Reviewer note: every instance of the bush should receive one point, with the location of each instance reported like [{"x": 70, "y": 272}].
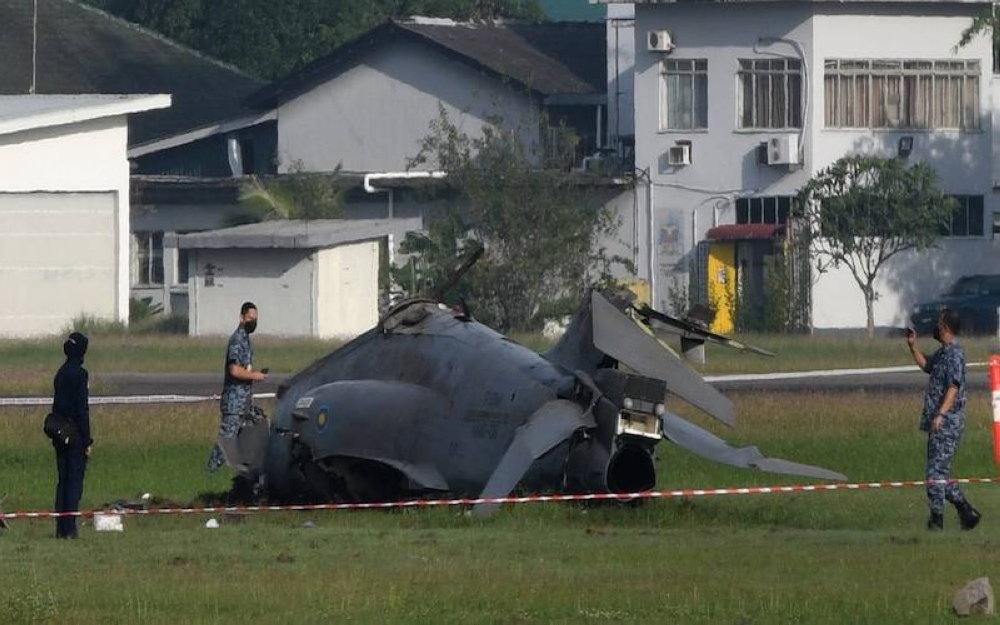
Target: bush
[
  {"x": 142, "y": 309},
  {"x": 91, "y": 325},
  {"x": 96, "y": 326},
  {"x": 171, "y": 324}
]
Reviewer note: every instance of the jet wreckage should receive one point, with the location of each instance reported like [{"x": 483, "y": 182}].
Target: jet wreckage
[{"x": 432, "y": 403}]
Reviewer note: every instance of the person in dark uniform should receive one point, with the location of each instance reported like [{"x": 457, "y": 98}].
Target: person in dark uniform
[
  {"x": 72, "y": 400},
  {"x": 237, "y": 387},
  {"x": 943, "y": 418}
]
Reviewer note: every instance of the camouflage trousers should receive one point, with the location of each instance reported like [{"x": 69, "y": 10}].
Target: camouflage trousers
[
  {"x": 941, "y": 448},
  {"x": 229, "y": 427}
]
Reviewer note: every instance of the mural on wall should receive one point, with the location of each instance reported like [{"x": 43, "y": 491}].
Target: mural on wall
[
  {"x": 669, "y": 237},
  {"x": 671, "y": 264}
]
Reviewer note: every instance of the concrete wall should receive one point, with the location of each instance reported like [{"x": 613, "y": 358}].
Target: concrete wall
[
  {"x": 80, "y": 158},
  {"x": 373, "y": 116},
  {"x": 324, "y": 293},
  {"x": 963, "y": 160},
  {"x": 57, "y": 260},
  {"x": 279, "y": 282},
  {"x": 347, "y": 289},
  {"x": 689, "y": 200}
]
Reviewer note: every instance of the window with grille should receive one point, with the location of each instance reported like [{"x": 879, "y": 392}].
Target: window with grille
[
  {"x": 770, "y": 93},
  {"x": 967, "y": 220},
  {"x": 763, "y": 210},
  {"x": 902, "y": 94},
  {"x": 684, "y": 94},
  {"x": 148, "y": 269}
]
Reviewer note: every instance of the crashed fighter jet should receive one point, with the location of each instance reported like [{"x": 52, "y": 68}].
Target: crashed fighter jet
[{"x": 431, "y": 402}]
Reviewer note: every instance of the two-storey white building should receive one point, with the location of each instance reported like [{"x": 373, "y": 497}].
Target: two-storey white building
[{"x": 739, "y": 103}]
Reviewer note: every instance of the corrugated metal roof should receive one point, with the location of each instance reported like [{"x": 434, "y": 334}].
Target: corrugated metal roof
[
  {"x": 82, "y": 50},
  {"x": 25, "y": 112},
  {"x": 552, "y": 58}
]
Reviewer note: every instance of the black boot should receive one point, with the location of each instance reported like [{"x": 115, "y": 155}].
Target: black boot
[
  {"x": 936, "y": 522},
  {"x": 968, "y": 515}
]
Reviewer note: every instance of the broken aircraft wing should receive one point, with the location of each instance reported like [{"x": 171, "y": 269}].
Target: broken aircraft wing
[
  {"x": 545, "y": 429},
  {"x": 709, "y": 446}
]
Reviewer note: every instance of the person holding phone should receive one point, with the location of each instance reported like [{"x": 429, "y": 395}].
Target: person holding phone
[
  {"x": 237, "y": 386},
  {"x": 943, "y": 418}
]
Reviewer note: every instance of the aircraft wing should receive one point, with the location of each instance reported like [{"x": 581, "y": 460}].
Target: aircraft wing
[
  {"x": 545, "y": 429},
  {"x": 620, "y": 337},
  {"x": 709, "y": 446}
]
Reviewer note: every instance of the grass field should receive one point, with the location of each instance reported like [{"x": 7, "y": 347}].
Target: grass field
[
  {"x": 858, "y": 557},
  {"x": 26, "y": 367}
]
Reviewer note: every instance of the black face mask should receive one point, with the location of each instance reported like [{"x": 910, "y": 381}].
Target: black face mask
[
  {"x": 250, "y": 326},
  {"x": 937, "y": 334}
]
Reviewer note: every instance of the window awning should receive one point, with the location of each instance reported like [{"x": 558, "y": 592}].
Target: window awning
[{"x": 745, "y": 232}]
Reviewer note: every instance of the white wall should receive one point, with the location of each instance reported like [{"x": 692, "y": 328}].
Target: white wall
[
  {"x": 688, "y": 201},
  {"x": 699, "y": 196},
  {"x": 963, "y": 160},
  {"x": 279, "y": 282},
  {"x": 83, "y": 157},
  {"x": 347, "y": 289},
  {"x": 356, "y": 119},
  {"x": 57, "y": 260}
]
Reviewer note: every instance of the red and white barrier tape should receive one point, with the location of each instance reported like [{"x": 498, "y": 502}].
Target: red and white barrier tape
[{"x": 439, "y": 503}]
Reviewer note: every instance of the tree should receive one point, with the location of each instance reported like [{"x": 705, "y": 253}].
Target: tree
[
  {"x": 539, "y": 223},
  {"x": 985, "y": 24},
  {"x": 268, "y": 39},
  {"x": 862, "y": 211},
  {"x": 296, "y": 195}
]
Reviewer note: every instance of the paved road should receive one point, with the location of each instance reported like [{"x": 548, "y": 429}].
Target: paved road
[{"x": 175, "y": 383}]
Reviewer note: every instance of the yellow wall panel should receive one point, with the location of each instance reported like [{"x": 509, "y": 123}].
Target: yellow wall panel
[{"x": 722, "y": 285}]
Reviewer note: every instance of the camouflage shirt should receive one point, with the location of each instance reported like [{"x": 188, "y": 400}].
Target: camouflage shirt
[
  {"x": 237, "y": 395},
  {"x": 947, "y": 369}
]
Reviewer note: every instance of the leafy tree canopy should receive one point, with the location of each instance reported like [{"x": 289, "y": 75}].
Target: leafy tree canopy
[
  {"x": 269, "y": 38},
  {"x": 540, "y": 227},
  {"x": 862, "y": 211},
  {"x": 296, "y": 195}
]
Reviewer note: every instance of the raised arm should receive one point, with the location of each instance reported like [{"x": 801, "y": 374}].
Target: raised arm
[{"x": 919, "y": 357}]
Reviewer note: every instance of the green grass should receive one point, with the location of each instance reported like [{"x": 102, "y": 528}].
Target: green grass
[
  {"x": 859, "y": 557},
  {"x": 26, "y": 367},
  {"x": 807, "y": 353}
]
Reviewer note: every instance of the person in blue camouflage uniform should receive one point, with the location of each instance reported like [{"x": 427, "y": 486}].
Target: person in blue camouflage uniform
[
  {"x": 237, "y": 388},
  {"x": 943, "y": 418}
]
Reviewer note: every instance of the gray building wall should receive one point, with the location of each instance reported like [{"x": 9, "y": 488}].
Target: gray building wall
[
  {"x": 686, "y": 201},
  {"x": 279, "y": 282},
  {"x": 374, "y": 116}
]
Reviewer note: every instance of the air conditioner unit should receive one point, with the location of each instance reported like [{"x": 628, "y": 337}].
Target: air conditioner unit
[
  {"x": 783, "y": 150},
  {"x": 659, "y": 41},
  {"x": 679, "y": 155}
]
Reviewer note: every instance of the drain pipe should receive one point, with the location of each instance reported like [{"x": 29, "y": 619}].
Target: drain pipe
[
  {"x": 652, "y": 242},
  {"x": 400, "y": 175},
  {"x": 397, "y": 175}
]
